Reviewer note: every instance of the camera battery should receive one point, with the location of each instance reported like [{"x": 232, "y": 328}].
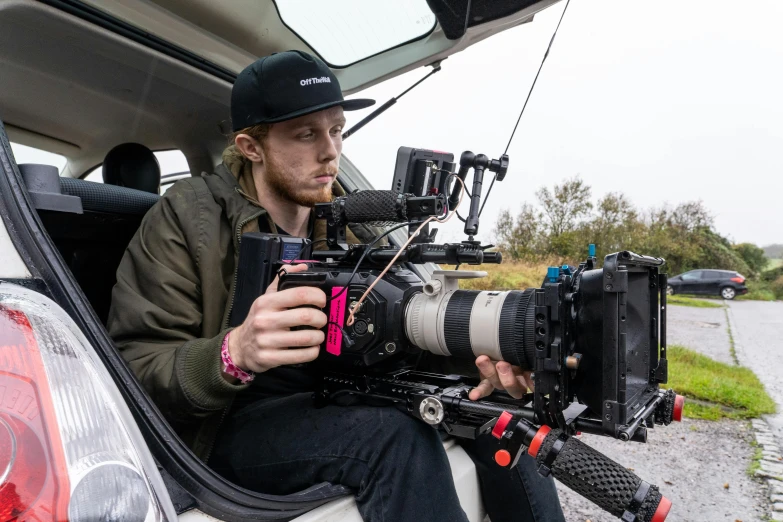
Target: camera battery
[{"x": 260, "y": 257}]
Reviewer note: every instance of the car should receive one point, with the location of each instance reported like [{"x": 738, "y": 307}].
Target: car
[
  {"x": 726, "y": 283},
  {"x": 80, "y": 439}
]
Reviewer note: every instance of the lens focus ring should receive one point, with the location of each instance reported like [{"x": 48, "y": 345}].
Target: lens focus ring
[{"x": 457, "y": 323}]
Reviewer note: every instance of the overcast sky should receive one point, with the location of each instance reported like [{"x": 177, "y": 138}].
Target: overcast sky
[{"x": 665, "y": 101}]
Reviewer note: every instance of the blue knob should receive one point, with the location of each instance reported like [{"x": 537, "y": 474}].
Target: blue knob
[
  {"x": 591, "y": 250},
  {"x": 553, "y": 273},
  {"x": 566, "y": 269}
]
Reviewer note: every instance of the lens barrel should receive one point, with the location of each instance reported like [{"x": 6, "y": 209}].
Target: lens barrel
[{"x": 469, "y": 323}]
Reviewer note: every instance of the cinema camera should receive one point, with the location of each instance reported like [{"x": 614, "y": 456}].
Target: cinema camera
[{"x": 595, "y": 338}]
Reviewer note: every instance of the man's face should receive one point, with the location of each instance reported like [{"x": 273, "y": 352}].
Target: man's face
[{"x": 302, "y": 156}]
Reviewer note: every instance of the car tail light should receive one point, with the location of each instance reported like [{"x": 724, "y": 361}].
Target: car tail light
[
  {"x": 739, "y": 280},
  {"x": 69, "y": 447}
]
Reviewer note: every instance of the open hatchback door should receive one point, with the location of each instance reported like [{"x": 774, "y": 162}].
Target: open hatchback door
[
  {"x": 364, "y": 42},
  {"x": 80, "y": 77}
]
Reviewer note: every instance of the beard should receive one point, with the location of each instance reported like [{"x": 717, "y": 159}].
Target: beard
[{"x": 283, "y": 180}]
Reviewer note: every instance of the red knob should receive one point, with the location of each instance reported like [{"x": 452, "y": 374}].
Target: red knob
[
  {"x": 503, "y": 457},
  {"x": 679, "y": 403},
  {"x": 663, "y": 510},
  {"x": 500, "y": 425},
  {"x": 535, "y": 445}
]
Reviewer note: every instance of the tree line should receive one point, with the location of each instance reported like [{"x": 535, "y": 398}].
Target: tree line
[{"x": 565, "y": 219}]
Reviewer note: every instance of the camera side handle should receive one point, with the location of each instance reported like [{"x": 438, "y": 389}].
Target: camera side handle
[{"x": 597, "y": 477}]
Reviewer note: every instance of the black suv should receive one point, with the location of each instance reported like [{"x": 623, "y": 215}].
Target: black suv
[{"x": 725, "y": 283}]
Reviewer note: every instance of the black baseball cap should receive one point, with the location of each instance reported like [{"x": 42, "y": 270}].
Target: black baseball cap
[{"x": 284, "y": 86}]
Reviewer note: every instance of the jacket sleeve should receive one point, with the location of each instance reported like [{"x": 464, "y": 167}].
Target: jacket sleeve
[{"x": 156, "y": 315}]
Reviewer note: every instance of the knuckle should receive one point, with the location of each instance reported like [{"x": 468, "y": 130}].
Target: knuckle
[
  {"x": 259, "y": 358},
  {"x": 305, "y": 316},
  {"x": 261, "y": 322},
  {"x": 302, "y": 339},
  {"x": 319, "y": 319},
  {"x": 301, "y": 294},
  {"x": 260, "y": 302},
  {"x": 260, "y": 343}
]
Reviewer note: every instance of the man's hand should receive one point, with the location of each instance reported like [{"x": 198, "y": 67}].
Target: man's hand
[
  {"x": 263, "y": 340},
  {"x": 502, "y": 376}
]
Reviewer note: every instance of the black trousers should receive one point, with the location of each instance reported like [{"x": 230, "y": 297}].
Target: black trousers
[{"x": 395, "y": 463}]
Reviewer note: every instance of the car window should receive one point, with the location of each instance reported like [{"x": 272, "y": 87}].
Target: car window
[
  {"x": 713, "y": 275},
  {"x": 692, "y": 276},
  {"x": 25, "y": 154},
  {"x": 365, "y": 31},
  {"x": 171, "y": 162},
  {"x": 167, "y": 180}
]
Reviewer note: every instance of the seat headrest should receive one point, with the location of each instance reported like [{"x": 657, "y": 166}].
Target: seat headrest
[{"x": 132, "y": 165}]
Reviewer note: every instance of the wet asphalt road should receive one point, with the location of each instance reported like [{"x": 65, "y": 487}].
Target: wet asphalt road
[{"x": 758, "y": 339}]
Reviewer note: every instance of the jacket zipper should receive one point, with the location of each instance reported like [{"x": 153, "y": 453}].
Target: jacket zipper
[{"x": 238, "y": 234}]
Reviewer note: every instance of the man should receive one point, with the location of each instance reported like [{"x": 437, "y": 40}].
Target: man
[{"x": 241, "y": 398}]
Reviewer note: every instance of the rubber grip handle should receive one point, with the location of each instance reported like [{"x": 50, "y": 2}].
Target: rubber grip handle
[
  {"x": 367, "y": 206},
  {"x": 598, "y": 478}
]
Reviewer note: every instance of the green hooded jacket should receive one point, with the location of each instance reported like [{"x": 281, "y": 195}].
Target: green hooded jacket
[{"x": 171, "y": 303}]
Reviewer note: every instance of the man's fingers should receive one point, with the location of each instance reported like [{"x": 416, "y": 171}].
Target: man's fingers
[
  {"x": 523, "y": 377},
  {"x": 304, "y": 316},
  {"x": 288, "y": 268},
  {"x": 487, "y": 369},
  {"x": 509, "y": 381},
  {"x": 291, "y": 339},
  {"x": 276, "y": 358},
  {"x": 482, "y": 390},
  {"x": 529, "y": 379},
  {"x": 293, "y": 297}
]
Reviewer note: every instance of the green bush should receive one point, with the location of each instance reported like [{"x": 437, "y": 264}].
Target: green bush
[
  {"x": 772, "y": 275},
  {"x": 758, "y": 291},
  {"x": 753, "y": 256},
  {"x": 777, "y": 287},
  {"x": 565, "y": 220}
]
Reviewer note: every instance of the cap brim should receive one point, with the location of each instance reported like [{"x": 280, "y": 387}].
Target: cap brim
[{"x": 348, "y": 105}]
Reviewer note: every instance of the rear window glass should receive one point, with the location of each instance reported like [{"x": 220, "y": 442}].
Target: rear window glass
[
  {"x": 25, "y": 154},
  {"x": 346, "y": 32},
  {"x": 171, "y": 162}
]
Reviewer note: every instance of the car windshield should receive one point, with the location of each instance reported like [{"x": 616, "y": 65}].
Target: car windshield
[{"x": 365, "y": 29}]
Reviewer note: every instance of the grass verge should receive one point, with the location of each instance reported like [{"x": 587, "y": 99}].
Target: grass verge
[
  {"x": 720, "y": 390},
  {"x": 680, "y": 300},
  {"x": 732, "y": 348},
  {"x": 506, "y": 276}
]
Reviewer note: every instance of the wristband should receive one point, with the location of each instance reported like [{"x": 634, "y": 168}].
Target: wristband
[{"x": 232, "y": 369}]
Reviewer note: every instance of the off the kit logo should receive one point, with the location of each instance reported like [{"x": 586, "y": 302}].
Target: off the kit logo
[{"x": 310, "y": 81}]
